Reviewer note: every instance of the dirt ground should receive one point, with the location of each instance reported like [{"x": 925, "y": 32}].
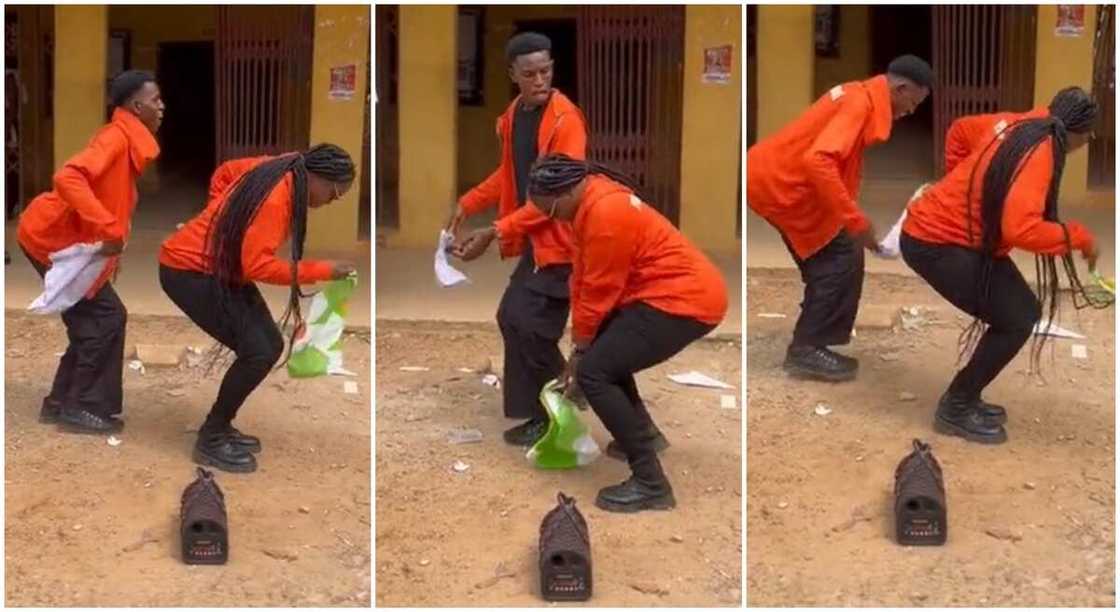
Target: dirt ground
[
  {"x": 89, "y": 524},
  {"x": 1031, "y": 522},
  {"x": 446, "y": 538}
]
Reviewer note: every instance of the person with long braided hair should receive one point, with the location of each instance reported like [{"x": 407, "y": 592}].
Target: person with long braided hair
[
  {"x": 534, "y": 307},
  {"x": 958, "y": 236},
  {"x": 93, "y": 200},
  {"x": 641, "y": 292},
  {"x": 208, "y": 269},
  {"x": 804, "y": 180}
]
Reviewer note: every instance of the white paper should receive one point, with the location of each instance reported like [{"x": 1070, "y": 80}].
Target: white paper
[
  {"x": 727, "y": 402},
  {"x": 696, "y": 379},
  {"x": 71, "y": 275},
  {"x": 1055, "y": 331},
  {"x": 771, "y": 315},
  {"x": 350, "y": 387},
  {"x": 445, "y": 274},
  {"x": 1080, "y": 351},
  {"x": 889, "y": 247}
]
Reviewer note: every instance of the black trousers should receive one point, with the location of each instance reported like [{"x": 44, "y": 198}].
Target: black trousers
[
  {"x": 833, "y": 278},
  {"x": 245, "y": 326},
  {"x": 634, "y": 338},
  {"x": 90, "y": 374},
  {"x": 532, "y": 316},
  {"x": 1011, "y": 310}
]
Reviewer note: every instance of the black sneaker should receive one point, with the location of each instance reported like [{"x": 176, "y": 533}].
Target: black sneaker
[
  {"x": 48, "y": 413},
  {"x": 527, "y": 433},
  {"x": 959, "y": 416},
  {"x": 657, "y": 442},
  {"x": 635, "y": 496},
  {"x": 85, "y": 422},
  {"x": 219, "y": 450},
  {"x": 249, "y": 443},
  {"x": 820, "y": 363}
]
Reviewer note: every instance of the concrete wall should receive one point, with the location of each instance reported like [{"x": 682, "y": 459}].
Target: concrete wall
[
  {"x": 80, "y": 55},
  {"x": 151, "y": 25},
  {"x": 1063, "y": 62},
  {"x": 854, "y": 60},
  {"x": 785, "y": 65},
  {"x": 710, "y": 131},
  {"x": 428, "y": 104}
]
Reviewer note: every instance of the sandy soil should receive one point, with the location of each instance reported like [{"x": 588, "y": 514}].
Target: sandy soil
[
  {"x": 470, "y": 539},
  {"x": 1031, "y": 522},
  {"x": 88, "y": 524}
]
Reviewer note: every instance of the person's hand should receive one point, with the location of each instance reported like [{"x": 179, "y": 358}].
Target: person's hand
[
  {"x": 474, "y": 245},
  {"x": 568, "y": 378},
  {"x": 457, "y": 216},
  {"x": 1090, "y": 253},
  {"x": 867, "y": 238},
  {"x": 342, "y": 269},
  {"x": 111, "y": 247}
]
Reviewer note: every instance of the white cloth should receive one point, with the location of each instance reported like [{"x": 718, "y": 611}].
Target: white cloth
[
  {"x": 888, "y": 247},
  {"x": 445, "y": 274},
  {"x": 73, "y": 271}
]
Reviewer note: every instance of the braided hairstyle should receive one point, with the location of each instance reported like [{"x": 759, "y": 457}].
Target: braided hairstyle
[
  {"x": 226, "y": 233},
  {"x": 557, "y": 174},
  {"x": 1071, "y": 111}
]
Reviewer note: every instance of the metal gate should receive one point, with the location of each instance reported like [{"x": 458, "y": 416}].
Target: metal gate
[
  {"x": 984, "y": 59},
  {"x": 1102, "y": 148},
  {"x": 630, "y": 82},
  {"x": 262, "y": 64}
]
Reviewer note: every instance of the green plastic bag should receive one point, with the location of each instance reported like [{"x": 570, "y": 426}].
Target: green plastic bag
[
  {"x": 318, "y": 351},
  {"x": 567, "y": 443}
]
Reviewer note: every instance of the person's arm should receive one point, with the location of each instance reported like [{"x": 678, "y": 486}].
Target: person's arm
[
  {"x": 229, "y": 172},
  {"x": 267, "y": 233},
  {"x": 606, "y": 250},
  {"x": 73, "y": 183},
  {"x": 833, "y": 145},
  {"x": 958, "y": 141},
  {"x": 1023, "y": 226}
]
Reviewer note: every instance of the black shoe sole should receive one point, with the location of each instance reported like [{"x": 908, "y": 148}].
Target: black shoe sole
[
  {"x": 798, "y": 371},
  {"x": 949, "y": 428},
  {"x": 238, "y": 468},
  {"x": 664, "y": 502}
]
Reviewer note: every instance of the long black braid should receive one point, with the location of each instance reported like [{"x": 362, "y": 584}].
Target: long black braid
[
  {"x": 557, "y": 174},
  {"x": 226, "y": 233},
  {"x": 1071, "y": 110}
]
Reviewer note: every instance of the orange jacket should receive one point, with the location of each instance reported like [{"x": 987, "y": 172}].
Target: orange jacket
[
  {"x": 627, "y": 252},
  {"x": 805, "y": 179},
  {"x": 186, "y": 249},
  {"x": 969, "y": 133},
  {"x": 94, "y": 194},
  {"x": 563, "y": 130},
  {"x": 940, "y": 215}
]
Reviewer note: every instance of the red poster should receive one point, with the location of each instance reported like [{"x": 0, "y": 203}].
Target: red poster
[
  {"x": 343, "y": 80},
  {"x": 1071, "y": 20},
  {"x": 717, "y": 65}
]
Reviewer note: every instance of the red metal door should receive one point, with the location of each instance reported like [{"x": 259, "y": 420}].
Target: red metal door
[
  {"x": 631, "y": 90},
  {"x": 1102, "y": 148},
  {"x": 984, "y": 60},
  {"x": 262, "y": 65}
]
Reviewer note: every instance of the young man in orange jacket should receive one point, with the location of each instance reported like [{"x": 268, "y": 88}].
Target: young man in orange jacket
[
  {"x": 804, "y": 180},
  {"x": 534, "y": 308},
  {"x": 93, "y": 200}
]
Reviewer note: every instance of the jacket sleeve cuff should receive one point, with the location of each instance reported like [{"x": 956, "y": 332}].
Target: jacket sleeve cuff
[
  {"x": 1080, "y": 237},
  {"x": 315, "y": 271}
]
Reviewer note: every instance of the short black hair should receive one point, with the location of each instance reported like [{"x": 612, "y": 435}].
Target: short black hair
[
  {"x": 526, "y": 43},
  {"x": 127, "y": 83},
  {"x": 913, "y": 68}
]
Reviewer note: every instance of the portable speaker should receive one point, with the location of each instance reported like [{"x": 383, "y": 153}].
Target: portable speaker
[
  {"x": 565, "y": 549},
  {"x": 204, "y": 527},
  {"x": 919, "y": 499}
]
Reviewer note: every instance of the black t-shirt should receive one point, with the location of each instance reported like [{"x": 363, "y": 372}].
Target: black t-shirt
[{"x": 526, "y": 124}]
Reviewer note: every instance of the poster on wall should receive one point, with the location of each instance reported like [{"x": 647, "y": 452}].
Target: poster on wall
[
  {"x": 343, "y": 80},
  {"x": 1071, "y": 20},
  {"x": 717, "y": 65}
]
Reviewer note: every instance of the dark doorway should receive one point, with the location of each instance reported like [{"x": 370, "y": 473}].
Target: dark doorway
[
  {"x": 895, "y": 31},
  {"x": 562, "y": 33},
  {"x": 185, "y": 71}
]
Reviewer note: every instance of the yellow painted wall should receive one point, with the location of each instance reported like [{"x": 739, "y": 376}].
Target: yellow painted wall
[
  {"x": 1063, "y": 62},
  {"x": 151, "y": 25},
  {"x": 710, "y": 130},
  {"x": 428, "y": 104},
  {"x": 785, "y": 65},
  {"x": 80, "y": 56},
  {"x": 854, "y": 61},
  {"x": 341, "y": 38},
  {"x": 478, "y": 147}
]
